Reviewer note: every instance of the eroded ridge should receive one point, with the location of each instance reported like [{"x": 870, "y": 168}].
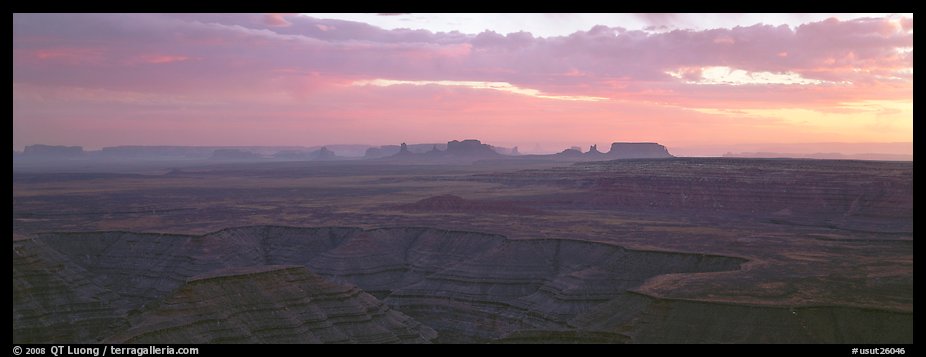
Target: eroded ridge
[{"x": 336, "y": 284}]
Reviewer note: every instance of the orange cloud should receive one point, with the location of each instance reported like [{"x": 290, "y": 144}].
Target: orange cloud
[
  {"x": 160, "y": 59},
  {"x": 276, "y": 20},
  {"x": 70, "y": 55}
]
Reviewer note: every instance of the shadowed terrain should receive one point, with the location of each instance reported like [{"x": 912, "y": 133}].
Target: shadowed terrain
[{"x": 626, "y": 251}]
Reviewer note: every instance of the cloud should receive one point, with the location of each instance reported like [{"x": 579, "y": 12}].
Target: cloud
[
  {"x": 66, "y": 55},
  {"x": 298, "y": 64},
  {"x": 159, "y": 59},
  {"x": 829, "y": 50},
  {"x": 906, "y": 24},
  {"x": 276, "y": 20},
  {"x": 731, "y": 76},
  {"x": 498, "y": 86},
  {"x": 659, "y": 19}
]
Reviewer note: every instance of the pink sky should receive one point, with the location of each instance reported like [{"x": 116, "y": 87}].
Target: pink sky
[{"x": 283, "y": 79}]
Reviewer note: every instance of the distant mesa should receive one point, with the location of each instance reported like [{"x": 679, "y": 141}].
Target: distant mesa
[
  {"x": 512, "y": 151},
  {"x": 619, "y": 150},
  {"x": 456, "y": 151},
  {"x": 434, "y": 153},
  {"x": 379, "y": 152},
  {"x": 638, "y": 151},
  {"x": 403, "y": 152},
  {"x": 234, "y": 154},
  {"x": 389, "y": 150},
  {"x": 40, "y": 151},
  {"x": 594, "y": 154},
  {"x": 572, "y": 152},
  {"x": 291, "y": 155},
  {"x": 322, "y": 154},
  {"x": 470, "y": 147},
  {"x": 469, "y": 151},
  {"x": 138, "y": 152}
]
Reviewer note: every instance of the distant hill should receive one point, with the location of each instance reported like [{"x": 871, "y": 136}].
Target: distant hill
[
  {"x": 619, "y": 150},
  {"x": 638, "y": 151},
  {"x": 468, "y": 150},
  {"x": 455, "y": 151},
  {"x": 49, "y": 152},
  {"x": 302, "y": 155},
  {"x": 234, "y": 154},
  {"x": 389, "y": 150}
]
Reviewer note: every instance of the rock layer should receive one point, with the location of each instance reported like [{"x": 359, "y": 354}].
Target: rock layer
[
  {"x": 271, "y": 304},
  {"x": 453, "y": 203},
  {"x": 229, "y": 286},
  {"x": 859, "y": 195},
  {"x": 644, "y": 319}
]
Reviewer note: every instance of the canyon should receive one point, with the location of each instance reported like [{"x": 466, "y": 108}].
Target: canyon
[{"x": 673, "y": 250}]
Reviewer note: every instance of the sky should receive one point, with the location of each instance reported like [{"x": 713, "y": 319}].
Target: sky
[{"x": 542, "y": 82}]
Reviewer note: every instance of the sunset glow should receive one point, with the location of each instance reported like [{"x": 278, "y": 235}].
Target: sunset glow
[
  {"x": 289, "y": 79},
  {"x": 499, "y": 86}
]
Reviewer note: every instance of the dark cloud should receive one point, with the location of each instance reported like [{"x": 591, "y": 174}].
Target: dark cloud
[{"x": 238, "y": 48}]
